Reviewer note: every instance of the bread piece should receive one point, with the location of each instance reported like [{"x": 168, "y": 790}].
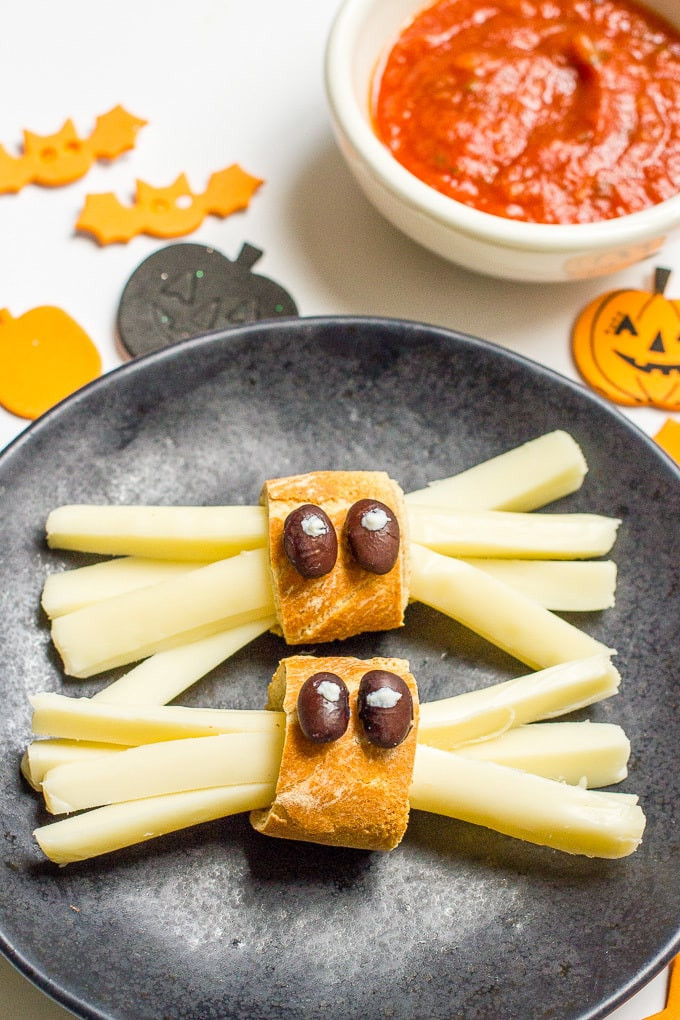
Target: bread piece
[
  {"x": 349, "y": 600},
  {"x": 344, "y": 793}
]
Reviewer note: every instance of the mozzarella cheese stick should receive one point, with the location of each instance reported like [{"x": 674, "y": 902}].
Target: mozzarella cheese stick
[
  {"x": 68, "y": 590},
  {"x": 496, "y": 533},
  {"x": 175, "y": 766},
  {"x": 580, "y": 753},
  {"x": 163, "y": 676},
  {"x": 450, "y": 723},
  {"x": 524, "y": 478},
  {"x": 139, "y": 623},
  {"x": 43, "y": 755},
  {"x": 116, "y": 826},
  {"x": 495, "y": 611},
  {"x": 560, "y": 585},
  {"x": 162, "y": 532},
  {"x": 56, "y": 715},
  {"x": 529, "y": 807}
]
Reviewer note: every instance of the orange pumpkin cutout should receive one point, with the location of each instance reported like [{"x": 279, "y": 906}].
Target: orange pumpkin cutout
[
  {"x": 44, "y": 357},
  {"x": 626, "y": 345}
]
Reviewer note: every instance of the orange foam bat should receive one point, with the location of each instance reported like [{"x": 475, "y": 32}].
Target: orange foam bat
[
  {"x": 166, "y": 212},
  {"x": 53, "y": 160}
]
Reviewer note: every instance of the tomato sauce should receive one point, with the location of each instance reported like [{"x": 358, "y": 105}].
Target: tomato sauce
[{"x": 550, "y": 111}]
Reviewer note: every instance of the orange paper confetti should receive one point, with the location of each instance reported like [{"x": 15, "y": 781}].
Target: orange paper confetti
[
  {"x": 626, "y": 345},
  {"x": 672, "y": 1010},
  {"x": 167, "y": 212},
  {"x": 44, "y": 357},
  {"x": 53, "y": 160},
  {"x": 668, "y": 437}
]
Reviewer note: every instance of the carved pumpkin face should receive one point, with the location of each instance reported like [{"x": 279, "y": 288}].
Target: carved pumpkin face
[{"x": 626, "y": 345}]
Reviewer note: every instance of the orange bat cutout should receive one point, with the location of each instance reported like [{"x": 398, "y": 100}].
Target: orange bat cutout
[
  {"x": 53, "y": 160},
  {"x": 167, "y": 212}
]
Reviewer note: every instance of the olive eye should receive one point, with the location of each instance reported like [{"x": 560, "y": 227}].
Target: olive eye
[
  {"x": 309, "y": 540},
  {"x": 373, "y": 535},
  {"x": 385, "y": 708},
  {"x": 323, "y": 707}
]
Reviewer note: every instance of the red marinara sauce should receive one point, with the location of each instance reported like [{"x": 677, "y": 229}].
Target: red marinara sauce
[{"x": 550, "y": 111}]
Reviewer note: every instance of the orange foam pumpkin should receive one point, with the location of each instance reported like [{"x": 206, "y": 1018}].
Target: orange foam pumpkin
[
  {"x": 626, "y": 345},
  {"x": 44, "y": 357}
]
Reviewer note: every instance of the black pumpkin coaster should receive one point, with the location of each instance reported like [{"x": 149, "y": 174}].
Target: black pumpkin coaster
[{"x": 185, "y": 290}]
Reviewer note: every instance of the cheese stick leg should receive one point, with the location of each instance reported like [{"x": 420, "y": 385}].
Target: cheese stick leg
[
  {"x": 579, "y": 753},
  {"x": 524, "y": 478},
  {"x": 526, "y": 806},
  {"x": 68, "y": 590},
  {"x": 162, "y": 677},
  {"x": 173, "y": 766},
  {"x": 500, "y": 534},
  {"x": 139, "y": 623},
  {"x": 120, "y": 825},
  {"x": 580, "y": 586},
  {"x": 477, "y": 715},
  {"x": 163, "y": 532},
  {"x": 490, "y": 608}
]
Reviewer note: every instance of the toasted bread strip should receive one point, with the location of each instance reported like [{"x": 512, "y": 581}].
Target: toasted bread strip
[{"x": 347, "y": 792}]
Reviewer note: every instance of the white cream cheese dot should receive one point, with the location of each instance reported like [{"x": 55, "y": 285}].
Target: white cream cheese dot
[
  {"x": 374, "y": 520},
  {"x": 385, "y": 697},
  {"x": 313, "y": 526},
  {"x": 329, "y": 691}
]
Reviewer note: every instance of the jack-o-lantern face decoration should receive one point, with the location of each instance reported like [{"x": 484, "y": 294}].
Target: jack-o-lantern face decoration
[{"x": 626, "y": 345}]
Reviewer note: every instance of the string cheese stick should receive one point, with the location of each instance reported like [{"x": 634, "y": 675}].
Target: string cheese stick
[
  {"x": 121, "y": 825},
  {"x": 584, "y": 753},
  {"x": 490, "y": 608},
  {"x": 166, "y": 532},
  {"x": 43, "y": 755},
  {"x": 183, "y": 609},
  {"x": 496, "y": 533},
  {"x": 560, "y": 585},
  {"x": 450, "y": 723},
  {"x": 165, "y": 675},
  {"x": 526, "y": 806},
  {"x": 174, "y": 766},
  {"x": 69, "y": 590},
  {"x": 130, "y": 725},
  {"x": 522, "y": 479},
  {"x": 579, "y": 753}
]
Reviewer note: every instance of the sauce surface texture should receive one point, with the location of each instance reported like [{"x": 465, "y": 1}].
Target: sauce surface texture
[{"x": 551, "y": 111}]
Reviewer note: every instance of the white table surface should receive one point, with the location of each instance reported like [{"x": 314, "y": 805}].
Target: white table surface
[{"x": 222, "y": 81}]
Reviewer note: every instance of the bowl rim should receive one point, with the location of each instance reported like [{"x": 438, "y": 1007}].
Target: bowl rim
[{"x": 350, "y": 121}]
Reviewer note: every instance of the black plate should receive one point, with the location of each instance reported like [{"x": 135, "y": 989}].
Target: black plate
[{"x": 458, "y": 922}]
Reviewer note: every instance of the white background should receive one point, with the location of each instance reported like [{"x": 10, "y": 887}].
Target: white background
[{"x": 221, "y": 81}]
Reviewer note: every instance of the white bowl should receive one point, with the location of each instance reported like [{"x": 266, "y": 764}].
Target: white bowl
[{"x": 515, "y": 250}]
